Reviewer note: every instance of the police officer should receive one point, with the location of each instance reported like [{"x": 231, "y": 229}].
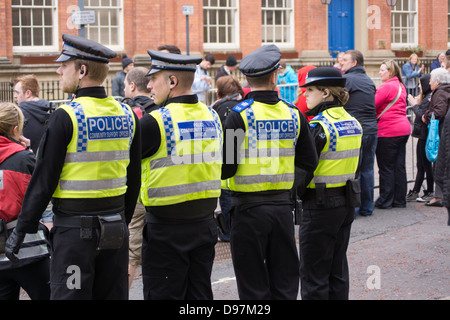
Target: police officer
[
  {"x": 333, "y": 193},
  {"x": 265, "y": 138},
  {"x": 181, "y": 170},
  {"x": 89, "y": 165}
]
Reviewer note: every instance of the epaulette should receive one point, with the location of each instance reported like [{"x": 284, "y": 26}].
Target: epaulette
[
  {"x": 289, "y": 104},
  {"x": 243, "y": 105}
]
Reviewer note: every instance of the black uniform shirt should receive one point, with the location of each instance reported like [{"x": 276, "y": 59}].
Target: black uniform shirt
[
  {"x": 50, "y": 161},
  {"x": 151, "y": 141},
  {"x": 305, "y": 151}
]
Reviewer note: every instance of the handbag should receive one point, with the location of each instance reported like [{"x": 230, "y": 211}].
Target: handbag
[{"x": 432, "y": 144}]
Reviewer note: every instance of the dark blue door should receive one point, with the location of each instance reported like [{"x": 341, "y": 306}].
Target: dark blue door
[{"x": 341, "y": 25}]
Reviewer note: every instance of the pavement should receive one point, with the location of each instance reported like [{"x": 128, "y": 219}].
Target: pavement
[{"x": 395, "y": 254}]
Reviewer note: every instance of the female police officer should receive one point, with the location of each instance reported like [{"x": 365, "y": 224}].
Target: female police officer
[{"x": 328, "y": 205}]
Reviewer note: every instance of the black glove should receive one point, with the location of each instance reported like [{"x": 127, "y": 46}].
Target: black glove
[{"x": 13, "y": 244}]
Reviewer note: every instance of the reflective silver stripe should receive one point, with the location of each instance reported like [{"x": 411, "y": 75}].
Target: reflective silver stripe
[
  {"x": 33, "y": 237},
  {"x": 176, "y": 160},
  {"x": 333, "y": 179},
  {"x": 339, "y": 155},
  {"x": 272, "y": 178},
  {"x": 97, "y": 156},
  {"x": 260, "y": 153},
  {"x": 28, "y": 252},
  {"x": 92, "y": 185},
  {"x": 1, "y": 179},
  {"x": 183, "y": 189}
]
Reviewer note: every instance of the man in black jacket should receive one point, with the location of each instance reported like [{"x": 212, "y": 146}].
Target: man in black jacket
[
  {"x": 361, "y": 105},
  {"x": 35, "y": 110}
]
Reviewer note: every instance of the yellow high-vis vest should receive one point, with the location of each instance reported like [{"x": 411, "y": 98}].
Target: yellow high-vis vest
[
  {"x": 268, "y": 151},
  {"x": 188, "y": 163},
  {"x": 339, "y": 158},
  {"x": 99, "y": 152}
]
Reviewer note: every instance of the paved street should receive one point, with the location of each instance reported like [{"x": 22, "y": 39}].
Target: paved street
[{"x": 409, "y": 247}]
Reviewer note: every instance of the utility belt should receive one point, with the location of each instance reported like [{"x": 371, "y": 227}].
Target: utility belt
[
  {"x": 351, "y": 192},
  {"x": 253, "y": 197},
  {"x": 112, "y": 228}
]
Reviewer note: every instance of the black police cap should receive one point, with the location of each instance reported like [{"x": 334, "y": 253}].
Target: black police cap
[
  {"x": 261, "y": 61},
  {"x": 75, "y": 47},
  {"x": 324, "y": 76},
  {"x": 170, "y": 61}
]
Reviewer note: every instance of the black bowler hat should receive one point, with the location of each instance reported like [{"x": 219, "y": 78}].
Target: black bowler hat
[
  {"x": 261, "y": 61},
  {"x": 231, "y": 61},
  {"x": 324, "y": 76},
  {"x": 126, "y": 61},
  {"x": 170, "y": 61},
  {"x": 75, "y": 47}
]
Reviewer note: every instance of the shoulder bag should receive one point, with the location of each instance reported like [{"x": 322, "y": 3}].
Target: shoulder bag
[{"x": 392, "y": 102}]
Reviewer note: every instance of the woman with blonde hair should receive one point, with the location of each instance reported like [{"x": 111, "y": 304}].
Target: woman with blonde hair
[
  {"x": 394, "y": 129},
  {"x": 411, "y": 73},
  {"x": 16, "y": 166}
]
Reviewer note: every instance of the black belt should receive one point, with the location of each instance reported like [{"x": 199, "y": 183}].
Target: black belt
[
  {"x": 76, "y": 221},
  {"x": 329, "y": 192},
  {"x": 254, "y": 197}
]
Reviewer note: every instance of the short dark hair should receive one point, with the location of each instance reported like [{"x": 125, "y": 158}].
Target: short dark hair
[
  {"x": 356, "y": 56},
  {"x": 210, "y": 58}
]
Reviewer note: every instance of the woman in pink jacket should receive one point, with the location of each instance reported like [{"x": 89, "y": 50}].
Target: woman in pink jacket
[{"x": 394, "y": 129}]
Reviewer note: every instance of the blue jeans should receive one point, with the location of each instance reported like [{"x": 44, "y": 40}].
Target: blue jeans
[{"x": 366, "y": 174}]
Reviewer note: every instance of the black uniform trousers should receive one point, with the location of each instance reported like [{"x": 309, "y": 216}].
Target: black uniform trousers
[
  {"x": 177, "y": 259},
  {"x": 103, "y": 274},
  {"x": 265, "y": 256},
  {"x": 324, "y": 234}
]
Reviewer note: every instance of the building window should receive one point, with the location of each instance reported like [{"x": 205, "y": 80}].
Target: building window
[
  {"x": 108, "y": 26},
  {"x": 278, "y": 22},
  {"x": 220, "y": 24},
  {"x": 404, "y": 24},
  {"x": 34, "y": 24}
]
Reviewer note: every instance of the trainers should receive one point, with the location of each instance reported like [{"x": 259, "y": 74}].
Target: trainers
[
  {"x": 412, "y": 195},
  {"x": 427, "y": 196}
]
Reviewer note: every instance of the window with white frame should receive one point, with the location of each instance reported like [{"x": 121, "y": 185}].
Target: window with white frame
[
  {"x": 34, "y": 25},
  {"x": 404, "y": 24},
  {"x": 108, "y": 26},
  {"x": 278, "y": 22},
  {"x": 220, "y": 24}
]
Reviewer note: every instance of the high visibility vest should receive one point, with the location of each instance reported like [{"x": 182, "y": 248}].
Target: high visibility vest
[
  {"x": 188, "y": 163},
  {"x": 99, "y": 152},
  {"x": 339, "y": 158},
  {"x": 268, "y": 151}
]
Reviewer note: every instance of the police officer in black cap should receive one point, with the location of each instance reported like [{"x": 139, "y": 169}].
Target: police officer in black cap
[
  {"x": 333, "y": 192},
  {"x": 265, "y": 140},
  {"x": 89, "y": 166},
  {"x": 181, "y": 170}
]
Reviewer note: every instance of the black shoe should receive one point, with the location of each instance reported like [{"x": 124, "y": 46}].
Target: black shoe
[{"x": 437, "y": 203}]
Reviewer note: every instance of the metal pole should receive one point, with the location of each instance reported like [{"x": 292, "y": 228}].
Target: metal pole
[
  {"x": 81, "y": 30},
  {"x": 187, "y": 34}
]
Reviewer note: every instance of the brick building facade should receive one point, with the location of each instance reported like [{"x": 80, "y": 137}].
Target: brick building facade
[{"x": 306, "y": 30}]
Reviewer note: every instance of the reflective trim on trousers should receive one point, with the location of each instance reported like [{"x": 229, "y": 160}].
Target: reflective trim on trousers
[{"x": 183, "y": 189}]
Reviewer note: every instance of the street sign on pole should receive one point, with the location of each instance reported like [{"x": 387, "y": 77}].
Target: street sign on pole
[
  {"x": 187, "y": 11},
  {"x": 83, "y": 17}
]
